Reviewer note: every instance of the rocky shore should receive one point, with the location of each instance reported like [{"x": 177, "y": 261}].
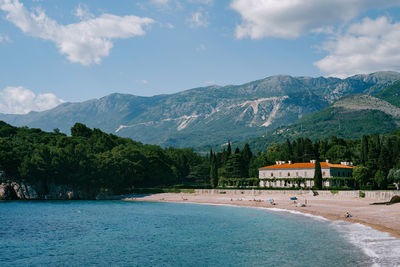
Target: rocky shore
[{"x": 11, "y": 190}]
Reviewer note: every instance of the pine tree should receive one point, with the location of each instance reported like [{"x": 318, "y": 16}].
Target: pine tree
[
  {"x": 323, "y": 148},
  {"x": 385, "y": 159},
  {"x": 246, "y": 158},
  {"x": 234, "y": 167},
  {"x": 229, "y": 150},
  {"x": 213, "y": 170},
  {"x": 318, "y": 175},
  {"x": 287, "y": 152},
  {"x": 364, "y": 150},
  {"x": 373, "y": 154}
]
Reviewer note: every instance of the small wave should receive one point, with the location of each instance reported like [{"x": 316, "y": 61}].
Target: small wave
[
  {"x": 320, "y": 218},
  {"x": 382, "y": 248}
]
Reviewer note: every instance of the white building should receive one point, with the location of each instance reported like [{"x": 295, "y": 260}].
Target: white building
[{"x": 289, "y": 174}]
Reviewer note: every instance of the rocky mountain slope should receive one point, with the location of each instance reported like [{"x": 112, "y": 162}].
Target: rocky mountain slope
[
  {"x": 350, "y": 117},
  {"x": 207, "y": 115}
]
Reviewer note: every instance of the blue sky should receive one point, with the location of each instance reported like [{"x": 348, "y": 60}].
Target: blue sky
[{"x": 53, "y": 51}]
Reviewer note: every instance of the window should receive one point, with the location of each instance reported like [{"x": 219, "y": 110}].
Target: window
[
  {"x": 343, "y": 174},
  {"x": 272, "y": 174},
  {"x": 338, "y": 174},
  {"x": 297, "y": 174},
  {"x": 305, "y": 174},
  {"x": 280, "y": 174},
  {"x": 323, "y": 173},
  {"x": 288, "y": 174}
]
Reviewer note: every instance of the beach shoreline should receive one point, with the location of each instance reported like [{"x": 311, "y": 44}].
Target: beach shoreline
[{"x": 383, "y": 218}]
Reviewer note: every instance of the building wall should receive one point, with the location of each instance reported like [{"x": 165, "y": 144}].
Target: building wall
[
  {"x": 294, "y": 173},
  {"x": 299, "y": 173}
]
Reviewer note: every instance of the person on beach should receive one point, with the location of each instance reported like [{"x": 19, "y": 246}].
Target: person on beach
[{"x": 348, "y": 215}]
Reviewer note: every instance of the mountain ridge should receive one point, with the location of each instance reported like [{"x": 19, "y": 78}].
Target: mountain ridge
[{"x": 207, "y": 115}]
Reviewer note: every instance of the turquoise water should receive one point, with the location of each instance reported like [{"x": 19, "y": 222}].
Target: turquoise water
[{"x": 113, "y": 233}]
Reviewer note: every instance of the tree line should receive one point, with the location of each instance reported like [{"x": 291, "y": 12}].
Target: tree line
[
  {"x": 376, "y": 157},
  {"x": 92, "y": 160}
]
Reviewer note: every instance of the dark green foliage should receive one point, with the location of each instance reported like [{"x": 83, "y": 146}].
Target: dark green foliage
[
  {"x": 364, "y": 150},
  {"x": 234, "y": 167},
  {"x": 92, "y": 160},
  {"x": 213, "y": 170},
  {"x": 361, "y": 175},
  {"x": 394, "y": 177},
  {"x": 81, "y": 130},
  {"x": 318, "y": 175},
  {"x": 380, "y": 179}
]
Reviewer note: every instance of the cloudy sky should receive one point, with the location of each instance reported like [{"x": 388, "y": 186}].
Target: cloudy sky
[{"x": 53, "y": 51}]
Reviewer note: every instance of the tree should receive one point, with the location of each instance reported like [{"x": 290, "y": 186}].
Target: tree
[
  {"x": 361, "y": 174},
  {"x": 213, "y": 170},
  {"x": 229, "y": 149},
  {"x": 234, "y": 167},
  {"x": 364, "y": 150},
  {"x": 80, "y": 130},
  {"x": 287, "y": 151},
  {"x": 385, "y": 158},
  {"x": 318, "y": 175},
  {"x": 394, "y": 177},
  {"x": 246, "y": 158},
  {"x": 380, "y": 179}
]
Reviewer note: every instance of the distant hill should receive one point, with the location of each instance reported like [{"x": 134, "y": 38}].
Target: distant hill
[
  {"x": 391, "y": 94},
  {"x": 213, "y": 114},
  {"x": 350, "y": 117}
]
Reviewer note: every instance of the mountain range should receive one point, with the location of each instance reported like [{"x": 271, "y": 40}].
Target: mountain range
[{"x": 276, "y": 107}]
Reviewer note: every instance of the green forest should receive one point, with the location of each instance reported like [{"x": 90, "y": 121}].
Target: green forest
[{"x": 94, "y": 161}]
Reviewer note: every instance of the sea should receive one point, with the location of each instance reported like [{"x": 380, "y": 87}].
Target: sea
[{"x": 119, "y": 233}]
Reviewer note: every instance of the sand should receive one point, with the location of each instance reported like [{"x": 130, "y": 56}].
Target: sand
[{"x": 385, "y": 218}]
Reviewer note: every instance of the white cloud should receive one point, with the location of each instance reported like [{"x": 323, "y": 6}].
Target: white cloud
[
  {"x": 83, "y": 13},
  {"x": 199, "y": 19},
  {"x": 365, "y": 47},
  {"x": 160, "y": 2},
  {"x": 291, "y": 18},
  {"x": 85, "y": 42},
  {"x": 203, "y": 2},
  {"x": 18, "y": 100}
]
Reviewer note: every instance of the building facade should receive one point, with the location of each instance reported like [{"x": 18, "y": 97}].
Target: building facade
[{"x": 288, "y": 174}]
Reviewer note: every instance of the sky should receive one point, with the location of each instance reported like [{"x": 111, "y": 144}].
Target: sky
[{"x": 55, "y": 51}]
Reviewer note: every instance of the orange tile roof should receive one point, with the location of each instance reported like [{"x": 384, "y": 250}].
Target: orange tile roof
[{"x": 305, "y": 166}]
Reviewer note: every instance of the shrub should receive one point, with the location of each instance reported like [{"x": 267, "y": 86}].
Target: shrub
[{"x": 362, "y": 194}]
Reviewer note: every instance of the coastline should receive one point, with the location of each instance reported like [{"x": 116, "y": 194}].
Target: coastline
[{"x": 383, "y": 218}]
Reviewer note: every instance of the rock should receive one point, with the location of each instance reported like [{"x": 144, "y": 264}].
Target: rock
[
  {"x": 395, "y": 199},
  {"x": 7, "y": 192}
]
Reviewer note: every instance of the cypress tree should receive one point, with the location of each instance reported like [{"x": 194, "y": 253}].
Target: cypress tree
[
  {"x": 364, "y": 150},
  {"x": 246, "y": 158},
  {"x": 318, "y": 175},
  {"x": 229, "y": 151},
  {"x": 287, "y": 152},
  {"x": 213, "y": 170}
]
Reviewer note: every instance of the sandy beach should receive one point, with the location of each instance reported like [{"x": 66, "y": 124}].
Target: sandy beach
[{"x": 385, "y": 218}]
